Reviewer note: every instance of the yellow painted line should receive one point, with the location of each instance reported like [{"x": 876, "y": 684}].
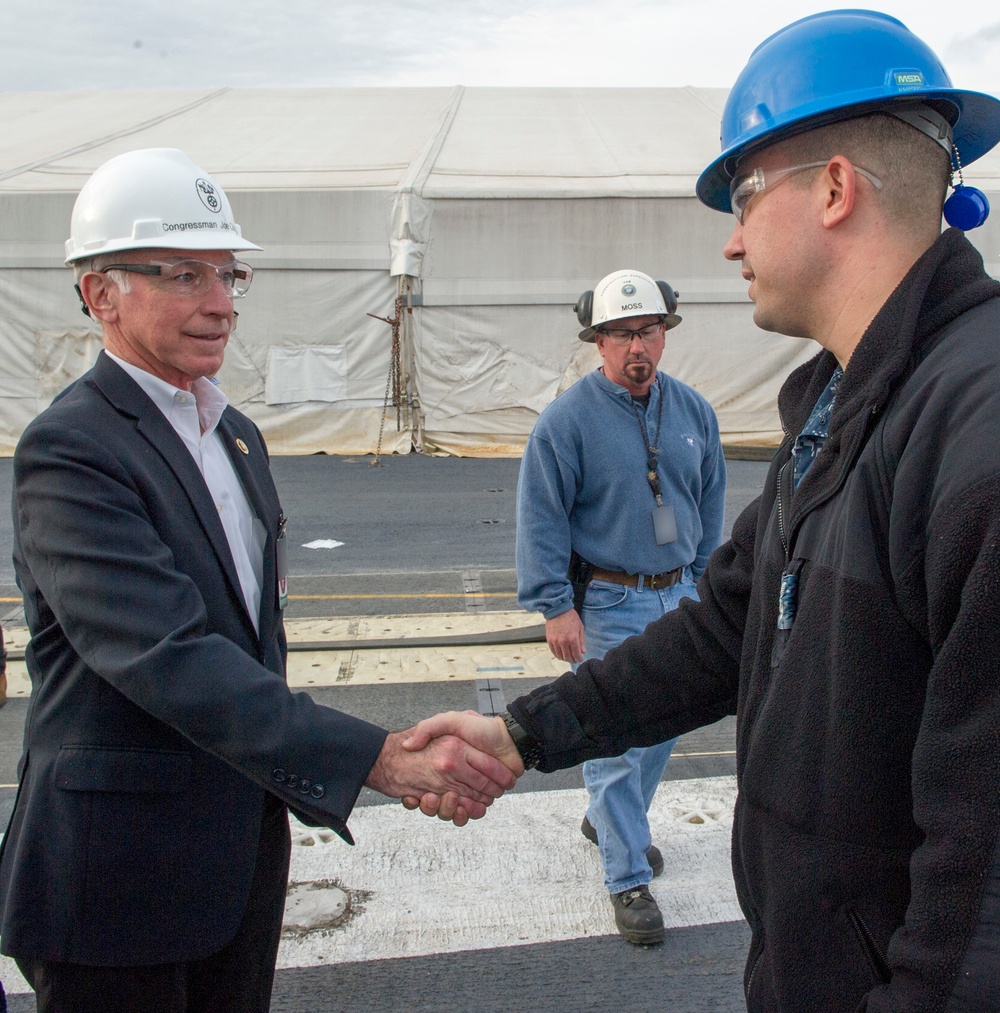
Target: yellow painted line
[{"x": 721, "y": 752}]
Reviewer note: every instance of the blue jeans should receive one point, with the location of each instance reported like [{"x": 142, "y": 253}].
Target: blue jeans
[{"x": 621, "y": 787}]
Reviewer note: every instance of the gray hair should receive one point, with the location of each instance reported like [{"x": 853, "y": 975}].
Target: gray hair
[{"x": 99, "y": 264}]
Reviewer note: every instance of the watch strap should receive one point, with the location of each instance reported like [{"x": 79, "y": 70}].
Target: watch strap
[{"x": 528, "y": 746}]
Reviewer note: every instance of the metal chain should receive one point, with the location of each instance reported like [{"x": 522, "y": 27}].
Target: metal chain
[
  {"x": 957, "y": 161},
  {"x": 393, "y": 382}
]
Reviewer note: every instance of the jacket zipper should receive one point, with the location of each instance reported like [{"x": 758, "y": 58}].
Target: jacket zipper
[
  {"x": 782, "y": 534},
  {"x": 753, "y": 974},
  {"x": 876, "y": 959}
]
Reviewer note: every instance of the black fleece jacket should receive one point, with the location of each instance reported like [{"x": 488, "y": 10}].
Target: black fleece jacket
[{"x": 865, "y": 845}]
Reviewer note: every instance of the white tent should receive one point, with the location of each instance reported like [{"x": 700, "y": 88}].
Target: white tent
[{"x": 481, "y": 213}]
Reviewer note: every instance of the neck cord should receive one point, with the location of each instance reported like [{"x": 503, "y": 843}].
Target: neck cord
[{"x": 651, "y": 476}]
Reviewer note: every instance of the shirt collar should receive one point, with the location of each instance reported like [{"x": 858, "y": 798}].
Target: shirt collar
[{"x": 208, "y": 396}]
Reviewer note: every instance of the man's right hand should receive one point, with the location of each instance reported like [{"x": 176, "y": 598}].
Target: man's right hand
[
  {"x": 433, "y": 759},
  {"x": 564, "y": 635},
  {"x": 488, "y": 735}
]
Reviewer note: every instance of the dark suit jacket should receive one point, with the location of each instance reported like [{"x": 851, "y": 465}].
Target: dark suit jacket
[{"x": 158, "y": 718}]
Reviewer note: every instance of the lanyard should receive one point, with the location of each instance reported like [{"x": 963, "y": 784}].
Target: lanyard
[{"x": 651, "y": 476}]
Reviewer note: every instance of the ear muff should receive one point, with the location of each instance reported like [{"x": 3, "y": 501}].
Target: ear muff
[
  {"x": 669, "y": 297},
  {"x": 967, "y": 208},
  {"x": 584, "y": 308}
]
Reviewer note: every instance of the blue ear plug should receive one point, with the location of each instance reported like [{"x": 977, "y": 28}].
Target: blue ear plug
[{"x": 967, "y": 208}]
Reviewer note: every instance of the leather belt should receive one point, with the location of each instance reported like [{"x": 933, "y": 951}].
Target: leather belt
[{"x": 653, "y": 580}]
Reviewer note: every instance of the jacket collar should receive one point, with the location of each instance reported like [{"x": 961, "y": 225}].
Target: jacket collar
[
  {"x": 948, "y": 280},
  {"x": 945, "y": 282}
]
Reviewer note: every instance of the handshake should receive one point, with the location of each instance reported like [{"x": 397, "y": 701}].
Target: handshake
[{"x": 451, "y": 766}]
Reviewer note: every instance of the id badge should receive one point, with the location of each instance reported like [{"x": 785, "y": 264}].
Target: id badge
[
  {"x": 281, "y": 564},
  {"x": 664, "y": 525}
]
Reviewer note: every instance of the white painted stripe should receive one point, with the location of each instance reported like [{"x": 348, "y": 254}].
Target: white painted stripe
[
  {"x": 524, "y": 874},
  {"x": 12, "y": 979}
]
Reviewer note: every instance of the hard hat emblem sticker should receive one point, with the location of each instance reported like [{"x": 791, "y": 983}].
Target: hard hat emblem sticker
[
  {"x": 209, "y": 195},
  {"x": 628, "y": 289}
]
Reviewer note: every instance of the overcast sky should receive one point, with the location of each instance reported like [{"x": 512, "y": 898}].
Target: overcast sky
[{"x": 77, "y": 44}]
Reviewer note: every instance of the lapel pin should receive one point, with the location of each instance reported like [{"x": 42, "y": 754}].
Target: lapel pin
[{"x": 242, "y": 446}]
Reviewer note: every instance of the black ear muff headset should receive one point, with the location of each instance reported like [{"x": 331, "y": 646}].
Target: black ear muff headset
[{"x": 584, "y": 308}]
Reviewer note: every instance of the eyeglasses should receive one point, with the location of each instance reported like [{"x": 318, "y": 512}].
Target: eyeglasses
[
  {"x": 623, "y": 336},
  {"x": 746, "y": 186},
  {"x": 193, "y": 277}
]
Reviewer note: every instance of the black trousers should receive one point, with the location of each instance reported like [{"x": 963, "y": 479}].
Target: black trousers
[{"x": 237, "y": 979}]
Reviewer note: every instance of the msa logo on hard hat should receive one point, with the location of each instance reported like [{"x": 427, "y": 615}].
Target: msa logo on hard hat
[
  {"x": 628, "y": 289},
  {"x": 908, "y": 78},
  {"x": 209, "y": 195}
]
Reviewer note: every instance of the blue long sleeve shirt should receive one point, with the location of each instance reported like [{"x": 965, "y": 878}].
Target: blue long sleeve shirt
[{"x": 583, "y": 486}]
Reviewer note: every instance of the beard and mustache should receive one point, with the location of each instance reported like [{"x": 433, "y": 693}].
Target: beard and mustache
[{"x": 638, "y": 368}]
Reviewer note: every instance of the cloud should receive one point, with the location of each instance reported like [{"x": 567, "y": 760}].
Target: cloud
[
  {"x": 61, "y": 44},
  {"x": 64, "y": 44}
]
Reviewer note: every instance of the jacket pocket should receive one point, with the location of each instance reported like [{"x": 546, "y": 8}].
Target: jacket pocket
[
  {"x": 873, "y": 953},
  {"x": 121, "y": 769}
]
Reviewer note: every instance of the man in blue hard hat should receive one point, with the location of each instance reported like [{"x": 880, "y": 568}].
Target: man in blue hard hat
[{"x": 852, "y": 622}]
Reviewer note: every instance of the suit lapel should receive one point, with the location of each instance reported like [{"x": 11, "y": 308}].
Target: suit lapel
[
  {"x": 248, "y": 457},
  {"x": 129, "y": 398}
]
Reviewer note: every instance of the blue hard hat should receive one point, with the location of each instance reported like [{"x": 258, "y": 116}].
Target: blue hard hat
[{"x": 833, "y": 66}]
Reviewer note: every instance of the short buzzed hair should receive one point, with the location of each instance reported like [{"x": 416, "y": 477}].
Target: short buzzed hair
[{"x": 914, "y": 169}]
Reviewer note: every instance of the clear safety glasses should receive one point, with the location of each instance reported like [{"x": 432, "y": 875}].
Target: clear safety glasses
[
  {"x": 623, "y": 336},
  {"x": 193, "y": 277},
  {"x": 746, "y": 186}
]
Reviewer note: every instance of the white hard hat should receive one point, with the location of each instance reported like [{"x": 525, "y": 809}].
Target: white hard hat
[
  {"x": 151, "y": 198},
  {"x": 625, "y": 294}
]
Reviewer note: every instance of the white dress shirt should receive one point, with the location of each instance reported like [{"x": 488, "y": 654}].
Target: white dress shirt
[{"x": 195, "y": 416}]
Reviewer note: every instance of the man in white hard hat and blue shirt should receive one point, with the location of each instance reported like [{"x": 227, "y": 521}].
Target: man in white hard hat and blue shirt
[
  {"x": 852, "y": 623},
  {"x": 145, "y": 865},
  {"x": 620, "y": 502}
]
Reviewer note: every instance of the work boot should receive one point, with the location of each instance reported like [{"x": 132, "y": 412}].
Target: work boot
[
  {"x": 637, "y": 916},
  {"x": 653, "y": 855}
]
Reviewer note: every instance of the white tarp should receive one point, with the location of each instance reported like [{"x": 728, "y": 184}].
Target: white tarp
[{"x": 484, "y": 211}]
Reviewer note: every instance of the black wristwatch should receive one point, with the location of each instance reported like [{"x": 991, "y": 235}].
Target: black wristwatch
[{"x": 529, "y": 747}]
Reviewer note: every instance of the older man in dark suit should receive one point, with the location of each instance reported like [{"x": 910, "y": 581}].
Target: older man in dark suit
[{"x": 146, "y": 860}]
